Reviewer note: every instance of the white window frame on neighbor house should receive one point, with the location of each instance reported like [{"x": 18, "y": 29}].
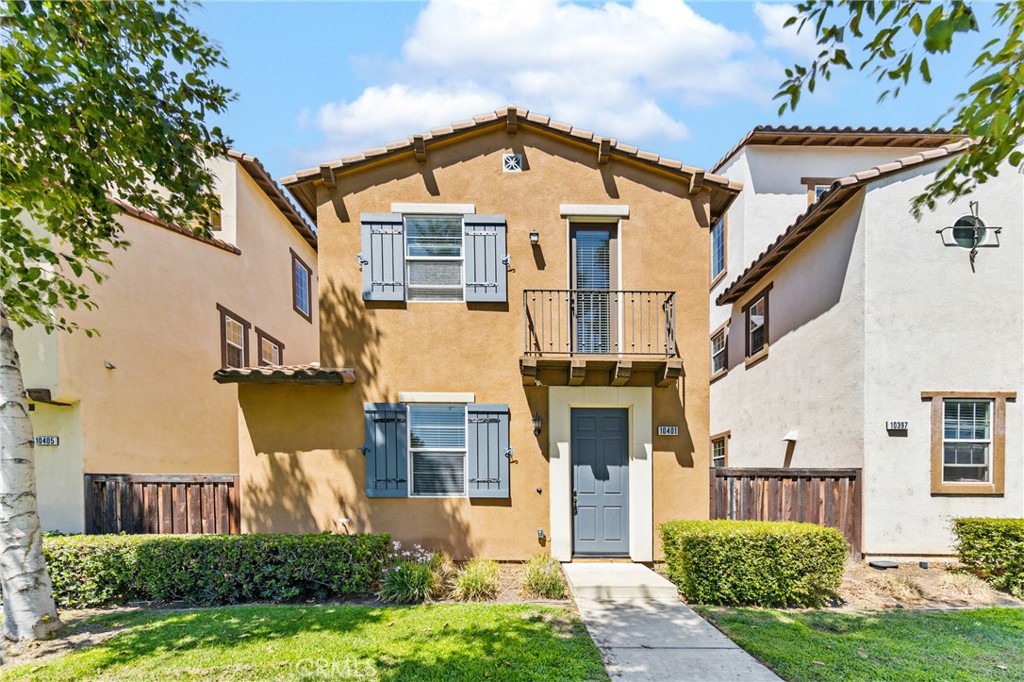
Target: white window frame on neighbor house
[
  {"x": 302, "y": 295},
  {"x": 413, "y": 451},
  {"x": 723, "y": 439},
  {"x": 755, "y": 356},
  {"x": 722, "y": 228},
  {"x": 461, "y": 260},
  {"x": 722, "y": 331},
  {"x": 984, "y": 424},
  {"x": 995, "y": 442},
  {"x": 227, "y": 316}
]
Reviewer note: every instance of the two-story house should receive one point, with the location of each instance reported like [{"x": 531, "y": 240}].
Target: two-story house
[
  {"x": 845, "y": 334},
  {"x": 131, "y": 433},
  {"x": 518, "y": 308}
]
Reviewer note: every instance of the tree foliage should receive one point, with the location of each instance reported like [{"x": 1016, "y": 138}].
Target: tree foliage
[
  {"x": 898, "y": 38},
  {"x": 100, "y": 99}
]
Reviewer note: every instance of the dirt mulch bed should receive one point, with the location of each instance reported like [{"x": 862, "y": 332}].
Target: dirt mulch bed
[
  {"x": 941, "y": 586},
  {"x": 76, "y": 634}
]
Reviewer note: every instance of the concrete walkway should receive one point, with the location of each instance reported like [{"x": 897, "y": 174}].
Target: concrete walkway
[{"x": 645, "y": 633}]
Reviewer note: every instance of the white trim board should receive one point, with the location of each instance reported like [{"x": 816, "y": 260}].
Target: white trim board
[
  {"x": 434, "y": 209},
  {"x": 594, "y": 210},
  {"x": 423, "y": 397}
]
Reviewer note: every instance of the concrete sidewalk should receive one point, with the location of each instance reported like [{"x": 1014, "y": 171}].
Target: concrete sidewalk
[{"x": 645, "y": 633}]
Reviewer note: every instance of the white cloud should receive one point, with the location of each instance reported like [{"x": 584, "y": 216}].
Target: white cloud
[
  {"x": 619, "y": 70},
  {"x": 801, "y": 45}
]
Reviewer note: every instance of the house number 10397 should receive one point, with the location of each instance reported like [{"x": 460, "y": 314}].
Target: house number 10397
[{"x": 895, "y": 426}]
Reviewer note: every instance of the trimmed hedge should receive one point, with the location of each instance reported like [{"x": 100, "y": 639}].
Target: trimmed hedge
[
  {"x": 993, "y": 549},
  {"x": 760, "y": 563},
  {"x": 98, "y": 570}
]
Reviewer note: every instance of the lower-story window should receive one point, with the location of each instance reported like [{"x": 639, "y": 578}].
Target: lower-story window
[
  {"x": 968, "y": 441},
  {"x": 437, "y": 449},
  {"x": 720, "y": 450}
]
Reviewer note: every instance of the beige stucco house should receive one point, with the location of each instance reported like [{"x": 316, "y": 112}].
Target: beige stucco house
[
  {"x": 847, "y": 334},
  {"x": 131, "y": 432},
  {"x": 513, "y": 347}
]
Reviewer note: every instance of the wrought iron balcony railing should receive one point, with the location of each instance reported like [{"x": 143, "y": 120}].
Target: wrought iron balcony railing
[{"x": 599, "y": 322}]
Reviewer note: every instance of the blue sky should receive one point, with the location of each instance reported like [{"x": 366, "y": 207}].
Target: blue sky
[{"x": 316, "y": 80}]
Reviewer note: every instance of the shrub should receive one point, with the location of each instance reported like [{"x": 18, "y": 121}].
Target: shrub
[
  {"x": 543, "y": 577},
  {"x": 476, "y": 581},
  {"x": 993, "y": 549},
  {"x": 408, "y": 582},
  {"x": 444, "y": 571},
  {"x": 97, "y": 570},
  {"x": 760, "y": 563}
]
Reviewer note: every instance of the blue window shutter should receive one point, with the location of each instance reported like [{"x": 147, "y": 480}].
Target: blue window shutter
[
  {"x": 486, "y": 273},
  {"x": 383, "y": 256},
  {"x": 386, "y": 450},
  {"x": 488, "y": 450}
]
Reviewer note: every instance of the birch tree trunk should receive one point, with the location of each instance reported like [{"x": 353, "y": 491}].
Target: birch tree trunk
[{"x": 29, "y": 610}]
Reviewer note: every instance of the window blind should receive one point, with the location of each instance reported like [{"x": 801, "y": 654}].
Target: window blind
[{"x": 593, "y": 308}]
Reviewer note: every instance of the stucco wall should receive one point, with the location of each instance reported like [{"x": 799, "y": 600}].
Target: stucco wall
[
  {"x": 158, "y": 410},
  {"x": 934, "y": 325},
  {"x": 812, "y": 379},
  {"x": 475, "y": 348}
]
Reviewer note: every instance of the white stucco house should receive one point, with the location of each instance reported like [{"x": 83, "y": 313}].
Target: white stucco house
[{"x": 847, "y": 334}]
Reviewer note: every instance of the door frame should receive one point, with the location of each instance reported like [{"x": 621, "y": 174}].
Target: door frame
[{"x": 629, "y": 464}]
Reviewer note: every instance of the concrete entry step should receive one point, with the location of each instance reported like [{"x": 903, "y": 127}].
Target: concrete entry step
[{"x": 613, "y": 580}]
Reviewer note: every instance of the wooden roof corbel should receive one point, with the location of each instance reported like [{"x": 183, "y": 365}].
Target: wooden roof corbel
[
  {"x": 419, "y": 148},
  {"x": 604, "y": 150},
  {"x": 512, "y": 121},
  {"x": 327, "y": 175}
]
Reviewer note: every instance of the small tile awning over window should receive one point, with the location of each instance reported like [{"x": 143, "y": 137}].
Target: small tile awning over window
[{"x": 285, "y": 374}]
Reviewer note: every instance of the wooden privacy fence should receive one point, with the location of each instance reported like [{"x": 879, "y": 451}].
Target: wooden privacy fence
[
  {"x": 829, "y": 497},
  {"x": 161, "y": 503}
]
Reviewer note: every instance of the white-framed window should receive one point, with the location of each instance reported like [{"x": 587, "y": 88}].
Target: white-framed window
[
  {"x": 234, "y": 342},
  {"x": 966, "y": 440},
  {"x": 434, "y": 257},
  {"x": 302, "y": 285},
  {"x": 756, "y": 320},
  {"x": 719, "y": 450},
  {"x": 437, "y": 450},
  {"x": 270, "y": 352},
  {"x": 719, "y": 356},
  {"x": 718, "y": 249}
]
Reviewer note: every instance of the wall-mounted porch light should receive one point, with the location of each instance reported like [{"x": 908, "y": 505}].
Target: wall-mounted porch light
[
  {"x": 537, "y": 423},
  {"x": 534, "y": 238}
]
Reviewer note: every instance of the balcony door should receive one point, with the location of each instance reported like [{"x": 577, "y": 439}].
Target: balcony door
[{"x": 593, "y": 272}]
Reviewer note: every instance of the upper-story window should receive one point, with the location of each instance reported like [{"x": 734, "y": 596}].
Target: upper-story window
[
  {"x": 433, "y": 258},
  {"x": 271, "y": 351},
  {"x": 816, "y": 187},
  {"x": 302, "y": 286},
  {"x": 720, "y": 351},
  {"x": 234, "y": 339},
  {"x": 756, "y": 319},
  {"x": 718, "y": 233}
]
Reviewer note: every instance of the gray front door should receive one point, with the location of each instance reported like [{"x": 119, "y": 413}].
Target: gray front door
[{"x": 600, "y": 481}]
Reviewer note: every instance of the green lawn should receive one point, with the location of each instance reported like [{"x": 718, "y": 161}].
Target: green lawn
[
  {"x": 890, "y": 645},
  {"x": 342, "y": 642}
]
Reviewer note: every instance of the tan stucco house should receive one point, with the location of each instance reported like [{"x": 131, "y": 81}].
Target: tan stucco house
[
  {"x": 845, "y": 334},
  {"x": 513, "y": 347},
  {"x": 131, "y": 432}
]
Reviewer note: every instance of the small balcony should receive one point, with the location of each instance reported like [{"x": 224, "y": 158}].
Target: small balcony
[{"x": 599, "y": 337}]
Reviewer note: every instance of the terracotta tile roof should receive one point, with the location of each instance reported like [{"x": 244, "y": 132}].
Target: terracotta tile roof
[
  {"x": 821, "y": 136},
  {"x": 285, "y": 374},
  {"x": 159, "y": 222},
  {"x": 300, "y": 183},
  {"x": 262, "y": 178},
  {"x": 818, "y": 212}
]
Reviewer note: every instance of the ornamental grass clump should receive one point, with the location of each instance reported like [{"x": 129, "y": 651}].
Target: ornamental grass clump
[
  {"x": 477, "y": 581},
  {"x": 407, "y": 582},
  {"x": 543, "y": 577}
]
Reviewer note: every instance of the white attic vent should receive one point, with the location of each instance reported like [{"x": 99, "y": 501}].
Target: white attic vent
[{"x": 512, "y": 163}]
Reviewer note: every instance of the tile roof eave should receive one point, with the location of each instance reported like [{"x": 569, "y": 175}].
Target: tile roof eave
[
  {"x": 286, "y": 374},
  {"x": 845, "y": 136},
  {"x": 153, "y": 219},
  {"x": 276, "y": 194},
  {"x": 817, "y": 213},
  {"x": 295, "y": 183}
]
